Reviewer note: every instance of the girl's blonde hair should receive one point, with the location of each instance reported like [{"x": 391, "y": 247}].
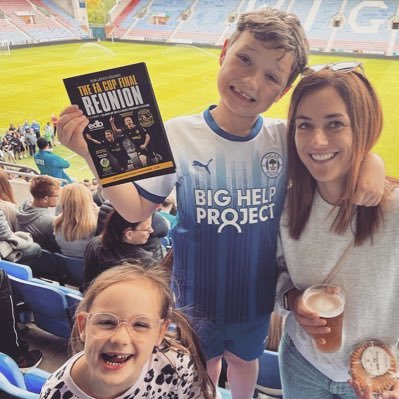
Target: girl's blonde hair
[
  {"x": 182, "y": 338},
  {"x": 6, "y": 193},
  {"x": 78, "y": 219}
]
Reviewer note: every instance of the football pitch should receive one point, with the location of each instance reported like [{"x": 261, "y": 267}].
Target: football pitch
[{"x": 184, "y": 80}]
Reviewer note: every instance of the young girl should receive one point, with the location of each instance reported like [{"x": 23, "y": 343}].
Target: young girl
[
  {"x": 123, "y": 346},
  {"x": 335, "y": 118}
]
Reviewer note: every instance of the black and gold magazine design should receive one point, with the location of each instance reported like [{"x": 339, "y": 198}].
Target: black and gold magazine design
[{"x": 125, "y": 135}]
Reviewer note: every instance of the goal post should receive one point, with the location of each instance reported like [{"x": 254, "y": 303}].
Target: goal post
[{"x": 4, "y": 48}]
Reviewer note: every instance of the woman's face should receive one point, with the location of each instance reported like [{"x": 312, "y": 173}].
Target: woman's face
[
  {"x": 324, "y": 139},
  {"x": 140, "y": 234}
]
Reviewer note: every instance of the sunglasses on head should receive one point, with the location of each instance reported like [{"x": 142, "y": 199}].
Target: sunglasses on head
[{"x": 345, "y": 66}]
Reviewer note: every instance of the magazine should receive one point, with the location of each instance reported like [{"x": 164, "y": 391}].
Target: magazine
[{"x": 125, "y": 134}]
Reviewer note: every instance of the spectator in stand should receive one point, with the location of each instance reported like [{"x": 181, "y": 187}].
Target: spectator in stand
[
  {"x": 94, "y": 185},
  {"x": 159, "y": 226},
  {"x": 77, "y": 223},
  {"x": 48, "y": 134},
  {"x": 168, "y": 210},
  {"x": 87, "y": 183},
  {"x": 49, "y": 163},
  {"x": 120, "y": 240},
  {"x": 31, "y": 141},
  {"x": 6, "y": 147},
  {"x": 36, "y": 128},
  {"x": 8, "y": 204},
  {"x": 35, "y": 217},
  {"x": 18, "y": 246}
]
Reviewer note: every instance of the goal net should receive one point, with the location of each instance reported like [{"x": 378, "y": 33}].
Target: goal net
[{"x": 4, "y": 48}]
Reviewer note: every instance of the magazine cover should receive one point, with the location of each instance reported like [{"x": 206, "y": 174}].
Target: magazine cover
[{"x": 125, "y": 134}]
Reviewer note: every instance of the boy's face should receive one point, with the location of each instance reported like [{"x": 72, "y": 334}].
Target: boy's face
[{"x": 252, "y": 77}]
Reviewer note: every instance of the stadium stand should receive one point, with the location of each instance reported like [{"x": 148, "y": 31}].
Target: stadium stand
[
  {"x": 207, "y": 21},
  {"x": 366, "y": 27},
  {"x": 352, "y": 25},
  {"x": 37, "y": 21}
]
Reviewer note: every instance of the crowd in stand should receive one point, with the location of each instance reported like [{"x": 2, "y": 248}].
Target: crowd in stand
[
  {"x": 77, "y": 221},
  {"x": 20, "y": 141}
]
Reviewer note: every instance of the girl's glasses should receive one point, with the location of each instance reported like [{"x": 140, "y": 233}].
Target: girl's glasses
[
  {"x": 104, "y": 325},
  {"x": 346, "y": 66}
]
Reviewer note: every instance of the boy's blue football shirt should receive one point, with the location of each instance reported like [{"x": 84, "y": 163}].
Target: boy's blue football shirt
[{"x": 230, "y": 195}]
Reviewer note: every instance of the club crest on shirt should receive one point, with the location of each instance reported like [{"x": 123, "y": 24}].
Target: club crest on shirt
[{"x": 272, "y": 164}]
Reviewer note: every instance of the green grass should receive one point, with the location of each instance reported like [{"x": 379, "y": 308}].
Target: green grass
[{"x": 184, "y": 80}]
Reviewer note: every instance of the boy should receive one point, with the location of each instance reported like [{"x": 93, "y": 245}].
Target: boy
[
  {"x": 231, "y": 183},
  {"x": 34, "y": 216}
]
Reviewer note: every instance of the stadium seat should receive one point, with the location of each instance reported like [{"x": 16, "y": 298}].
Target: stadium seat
[
  {"x": 13, "y": 382},
  {"x": 16, "y": 269},
  {"x": 46, "y": 266},
  {"x": 72, "y": 268},
  {"x": 269, "y": 382},
  {"x": 49, "y": 305}
]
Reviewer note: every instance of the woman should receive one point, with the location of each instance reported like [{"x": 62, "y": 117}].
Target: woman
[
  {"x": 120, "y": 240},
  {"x": 334, "y": 120},
  {"x": 77, "y": 223},
  {"x": 8, "y": 204}
]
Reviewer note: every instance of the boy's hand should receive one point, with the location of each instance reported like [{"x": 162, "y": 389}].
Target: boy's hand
[
  {"x": 365, "y": 392},
  {"x": 371, "y": 184},
  {"x": 70, "y": 128},
  {"x": 310, "y": 321}
]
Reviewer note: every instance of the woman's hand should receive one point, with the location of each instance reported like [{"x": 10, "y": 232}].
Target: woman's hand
[
  {"x": 310, "y": 321},
  {"x": 70, "y": 130},
  {"x": 365, "y": 391}
]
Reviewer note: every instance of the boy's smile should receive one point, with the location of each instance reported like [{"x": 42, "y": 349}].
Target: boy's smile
[{"x": 252, "y": 77}]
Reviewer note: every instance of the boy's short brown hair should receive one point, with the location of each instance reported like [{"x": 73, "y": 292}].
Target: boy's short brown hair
[
  {"x": 43, "y": 186},
  {"x": 281, "y": 30}
]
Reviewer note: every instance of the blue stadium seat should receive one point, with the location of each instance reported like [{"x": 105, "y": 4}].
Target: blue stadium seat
[
  {"x": 71, "y": 267},
  {"x": 16, "y": 269},
  {"x": 48, "y": 303},
  {"x": 269, "y": 382},
  {"x": 13, "y": 382},
  {"x": 46, "y": 266}
]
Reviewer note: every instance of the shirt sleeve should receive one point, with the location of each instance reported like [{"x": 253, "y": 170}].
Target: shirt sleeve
[
  {"x": 284, "y": 282},
  {"x": 156, "y": 189}
]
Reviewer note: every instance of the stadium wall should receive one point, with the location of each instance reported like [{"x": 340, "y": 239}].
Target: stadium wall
[
  {"x": 202, "y": 45},
  {"x": 41, "y": 44}
]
